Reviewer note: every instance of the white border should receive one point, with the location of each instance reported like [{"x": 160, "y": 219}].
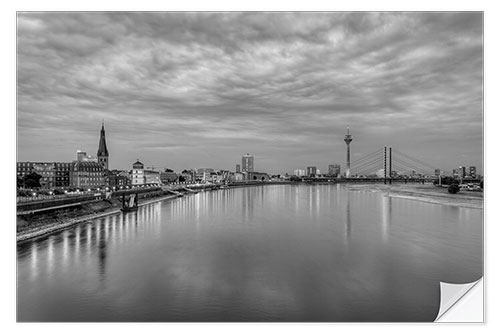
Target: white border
[{"x": 492, "y": 71}]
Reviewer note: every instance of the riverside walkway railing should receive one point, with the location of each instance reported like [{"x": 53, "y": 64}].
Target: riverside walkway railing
[
  {"x": 82, "y": 194},
  {"x": 55, "y": 197},
  {"x": 101, "y": 194}
]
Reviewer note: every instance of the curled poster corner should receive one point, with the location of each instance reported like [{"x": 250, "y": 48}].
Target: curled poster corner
[{"x": 461, "y": 302}]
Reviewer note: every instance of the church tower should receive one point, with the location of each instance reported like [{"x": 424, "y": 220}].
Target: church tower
[{"x": 102, "y": 152}]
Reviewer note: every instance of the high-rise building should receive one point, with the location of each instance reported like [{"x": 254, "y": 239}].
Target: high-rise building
[
  {"x": 334, "y": 170},
  {"x": 348, "y": 140},
  {"x": 80, "y": 156},
  {"x": 472, "y": 171},
  {"x": 102, "y": 152},
  {"x": 462, "y": 171},
  {"x": 247, "y": 163},
  {"x": 299, "y": 172},
  {"x": 311, "y": 171},
  {"x": 238, "y": 168}
]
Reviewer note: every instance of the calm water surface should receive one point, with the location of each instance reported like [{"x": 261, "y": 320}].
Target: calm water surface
[{"x": 271, "y": 253}]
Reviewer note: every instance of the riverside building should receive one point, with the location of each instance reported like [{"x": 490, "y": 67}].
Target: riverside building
[
  {"x": 47, "y": 171},
  {"x": 311, "y": 171},
  {"x": 138, "y": 174},
  {"x": 472, "y": 171},
  {"x": 87, "y": 175},
  {"x": 334, "y": 170},
  {"x": 247, "y": 163},
  {"x": 54, "y": 174},
  {"x": 152, "y": 177},
  {"x": 299, "y": 172}
]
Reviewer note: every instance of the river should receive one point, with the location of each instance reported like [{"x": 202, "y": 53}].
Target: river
[{"x": 269, "y": 253}]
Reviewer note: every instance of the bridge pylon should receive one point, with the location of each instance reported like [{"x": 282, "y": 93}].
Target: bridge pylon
[
  {"x": 385, "y": 164},
  {"x": 390, "y": 165}
]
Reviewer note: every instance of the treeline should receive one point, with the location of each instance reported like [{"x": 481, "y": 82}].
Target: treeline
[
  {"x": 453, "y": 184},
  {"x": 31, "y": 180}
]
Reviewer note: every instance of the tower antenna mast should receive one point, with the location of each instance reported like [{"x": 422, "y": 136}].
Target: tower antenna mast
[{"x": 348, "y": 140}]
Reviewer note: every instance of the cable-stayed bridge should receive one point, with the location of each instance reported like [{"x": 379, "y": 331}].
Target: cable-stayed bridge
[
  {"x": 389, "y": 162},
  {"x": 387, "y": 165}
]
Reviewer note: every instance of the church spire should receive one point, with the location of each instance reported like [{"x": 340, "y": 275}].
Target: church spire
[{"x": 102, "y": 152}]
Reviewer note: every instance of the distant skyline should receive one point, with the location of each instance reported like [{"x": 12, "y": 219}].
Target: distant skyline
[{"x": 191, "y": 90}]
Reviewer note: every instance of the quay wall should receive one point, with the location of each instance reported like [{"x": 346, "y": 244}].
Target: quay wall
[{"x": 42, "y": 224}]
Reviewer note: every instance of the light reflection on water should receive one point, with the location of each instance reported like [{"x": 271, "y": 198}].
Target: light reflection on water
[{"x": 274, "y": 253}]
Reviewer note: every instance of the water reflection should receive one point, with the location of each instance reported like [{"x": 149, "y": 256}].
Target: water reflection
[
  {"x": 65, "y": 249},
  {"x": 97, "y": 237},
  {"x": 101, "y": 252},
  {"x": 247, "y": 200},
  {"x": 34, "y": 261},
  {"x": 77, "y": 241},
  {"x": 347, "y": 234},
  {"x": 386, "y": 209},
  {"x": 50, "y": 256},
  {"x": 282, "y": 253}
]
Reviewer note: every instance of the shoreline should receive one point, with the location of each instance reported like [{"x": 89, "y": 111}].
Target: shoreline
[
  {"x": 424, "y": 193},
  {"x": 434, "y": 201},
  {"x": 53, "y": 228}
]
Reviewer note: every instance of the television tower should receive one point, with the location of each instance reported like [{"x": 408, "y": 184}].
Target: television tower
[{"x": 348, "y": 139}]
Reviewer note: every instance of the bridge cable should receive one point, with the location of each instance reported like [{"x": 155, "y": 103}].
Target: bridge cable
[
  {"x": 362, "y": 166},
  {"x": 364, "y": 158},
  {"x": 367, "y": 159},
  {"x": 409, "y": 165},
  {"x": 413, "y": 165},
  {"x": 369, "y": 171},
  {"x": 414, "y": 159},
  {"x": 374, "y": 164}
]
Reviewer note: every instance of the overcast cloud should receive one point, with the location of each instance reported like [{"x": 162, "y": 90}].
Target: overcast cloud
[{"x": 185, "y": 90}]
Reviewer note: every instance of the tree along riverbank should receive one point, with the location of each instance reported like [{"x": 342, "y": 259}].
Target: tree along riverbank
[{"x": 425, "y": 193}]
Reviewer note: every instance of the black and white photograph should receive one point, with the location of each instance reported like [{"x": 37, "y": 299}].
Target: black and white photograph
[{"x": 249, "y": 166}]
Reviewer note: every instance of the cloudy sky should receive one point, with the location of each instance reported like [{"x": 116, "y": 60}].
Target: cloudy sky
[{"x": 189, "y": 90}]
